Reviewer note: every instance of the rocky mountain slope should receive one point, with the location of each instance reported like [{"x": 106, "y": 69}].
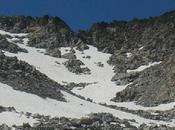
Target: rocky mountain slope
[
  {"x": 134, "y": 44},
  {"x": 24, "y": 77},
  {"x": 54, "y": 77}
]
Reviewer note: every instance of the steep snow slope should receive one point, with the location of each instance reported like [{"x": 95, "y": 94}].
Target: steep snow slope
[
  {"x": 75, "y": 107},
  {"x": 102, "y": 91}
]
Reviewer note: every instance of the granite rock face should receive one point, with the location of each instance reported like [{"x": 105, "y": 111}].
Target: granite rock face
[
  {"x": 44, "y": 32},
  {"x": 153, "y": 86},
  {"x": 134, "y": 44},
  {"x": 24, "y": 77},
  {"x": 75, "y": 66},
  {"x": 10, "y": 47},
  {"x": 54, "y": 52},
  {"x": 81, "y": 46}
]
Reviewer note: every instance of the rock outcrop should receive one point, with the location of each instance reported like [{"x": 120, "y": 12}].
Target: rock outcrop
[
  {"x": 10, "y": 47},
  {"x": 100, "y": 121},
  {"x": 153, "y": 86},
  {"x": 134, "y": 44},
  {"x": 75, "y": 66},
  {"x": 24, "y": 77}
]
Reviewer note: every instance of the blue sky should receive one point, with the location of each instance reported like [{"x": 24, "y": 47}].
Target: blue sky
[{"x": 80, "y": 14}]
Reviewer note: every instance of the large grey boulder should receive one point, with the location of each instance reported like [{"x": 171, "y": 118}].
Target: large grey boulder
[
  {"x": 54, "y": 52},
  {"x": 70, "y": 56},
  {"x": 75, "y": 66}
]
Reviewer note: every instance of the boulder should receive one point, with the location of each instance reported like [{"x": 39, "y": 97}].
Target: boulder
[
  {"x": 70, "y": 56},
  {"x": 54, "y": 52},
  {"x": 75, "y": 66}
]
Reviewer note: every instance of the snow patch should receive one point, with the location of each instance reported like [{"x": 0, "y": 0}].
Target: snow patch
[
  {"x": 128, "y": 55},
  {"x": 141, "y": 48},
  {"x": 13, "y": 34},
  {"x": 12, "y": 118},
  {"x": 134, "y": 106},
  {"x": 75, "y": 107},
  {"x": 102, "y": 91},
  {"x": 25, "y": 41},
  {"x": 143, "y": 67}
]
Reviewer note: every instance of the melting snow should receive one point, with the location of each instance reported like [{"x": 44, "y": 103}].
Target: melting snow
[
  {"x": 75, "y": 107},
  {"x": 128, "y": 55},
  {"x": 13, "y": 34},
  {"x": 133, "y": 106},
  {"x": 143, "y": 67},
  {"x": 101, "y": 92},
  {"x": 141, "y": 48}
]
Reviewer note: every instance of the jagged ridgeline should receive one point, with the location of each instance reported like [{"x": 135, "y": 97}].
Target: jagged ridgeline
[
  {"x": 45, "y": 32},
  {"x": 19, "y": 24},
  {"x": 136, "y": 43},
  {"x": 41, "y": 27}
]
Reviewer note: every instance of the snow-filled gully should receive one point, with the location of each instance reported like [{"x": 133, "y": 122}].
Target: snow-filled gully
[{"x": 101, "y": 92}]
